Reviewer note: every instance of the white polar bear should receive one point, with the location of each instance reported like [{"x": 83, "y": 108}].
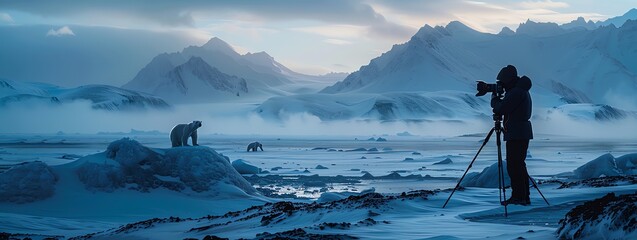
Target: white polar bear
[{"x": 180, "y": 134}]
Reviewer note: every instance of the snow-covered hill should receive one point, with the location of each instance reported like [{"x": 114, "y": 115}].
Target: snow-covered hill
[
  {"x": 261, "y": 76},
  {"x": 100, "y": 96}
]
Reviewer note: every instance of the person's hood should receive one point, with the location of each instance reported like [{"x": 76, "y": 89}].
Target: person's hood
[{"x": 524, "y": 82}]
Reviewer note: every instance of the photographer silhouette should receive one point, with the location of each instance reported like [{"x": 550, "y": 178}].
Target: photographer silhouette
[{"x": 516, "y": 108}]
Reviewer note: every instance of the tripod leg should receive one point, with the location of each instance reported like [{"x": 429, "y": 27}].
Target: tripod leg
[
  {"x": 538, "y": 190},
  {"x": 486, "y": 139},
  {"x": 501, "y": 182}
]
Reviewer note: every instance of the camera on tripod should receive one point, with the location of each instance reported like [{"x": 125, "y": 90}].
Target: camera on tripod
[{"x": 495, "y": 88}]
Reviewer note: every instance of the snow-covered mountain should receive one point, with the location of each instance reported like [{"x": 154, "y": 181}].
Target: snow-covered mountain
[
  {"x": 589, "y": 66},
  {"x": 196, "y": 81},
  {"x": 580, "y": 24},
  {"x": 576, "y": 63},
  {"x": 100, "y": 96},
  {"x": 619, "y": 20},
  {"x": 260, "y": 73}
]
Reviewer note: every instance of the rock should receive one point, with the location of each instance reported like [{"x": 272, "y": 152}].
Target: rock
[
  {"x": 446, "y": 161},
  {"x": 603, "y": 218},
  {"x": 320, "y": 167}
]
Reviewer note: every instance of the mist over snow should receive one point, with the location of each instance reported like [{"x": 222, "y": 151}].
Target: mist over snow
[{"x": 240, "y": 119}]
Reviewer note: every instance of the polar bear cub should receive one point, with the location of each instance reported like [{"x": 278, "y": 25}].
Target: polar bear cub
[{"x": 181, "y": 132}]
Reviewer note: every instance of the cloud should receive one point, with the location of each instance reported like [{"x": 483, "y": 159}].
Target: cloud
[
  {"x": 546, "y": 4},
  {"x": 6, "y": 18},
  {"x": 485, "y": 16},
  {"x": 334, "y": 31},
  {"x": 188, "y": 13},
  {"x": 63, "y": 31},
  {"x": 337, "y": 41}
]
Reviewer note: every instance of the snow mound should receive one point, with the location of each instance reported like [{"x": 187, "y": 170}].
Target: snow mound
[
  {"x": 245, "y": 167},
  {"x": 27, "y": 182},
  {"x": 609, "y": 217},
  {"x": 627, "y": 163},
  {"x": 336, "y": 196},
  {"x": 127, "y": 163},
  {"x": 602, "y": 166},
  {"x": 488, "y": 178}
]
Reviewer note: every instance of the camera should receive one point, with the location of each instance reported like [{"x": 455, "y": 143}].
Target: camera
[{"x": 484, "y": 88}]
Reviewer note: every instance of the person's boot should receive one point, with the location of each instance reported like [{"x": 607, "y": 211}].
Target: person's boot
[{"x": 516, "y": 201}]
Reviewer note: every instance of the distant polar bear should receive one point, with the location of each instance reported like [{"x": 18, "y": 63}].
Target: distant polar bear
[
  {"x": 253, "y": 146},
  {"x": 180, "y": 134}
]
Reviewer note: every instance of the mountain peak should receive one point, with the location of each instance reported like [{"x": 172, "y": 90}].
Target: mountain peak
[
  {"x": 457, "y": 25},
  {"x": 506, "y": 31},
  {"x": 580, "y": 23},
  {"x": 539, "y": 28},
  {"x": 425, "y": 30},
  {"x": 217, "y": 44},
  {"x": 262, "y": 54},
  {"x": 195, "y": 61}
]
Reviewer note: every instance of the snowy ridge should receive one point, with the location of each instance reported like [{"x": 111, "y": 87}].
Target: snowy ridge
[
  {"x": 589, "y": 112},
  {"x": 196, "y": 81},
  {"x": 100, "y": 96},
  {"x": 620, "y": 20},
  {"x": 386, "y": 107}
]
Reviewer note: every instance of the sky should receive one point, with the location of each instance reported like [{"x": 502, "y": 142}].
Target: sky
[{"x": 312, "y": 37}]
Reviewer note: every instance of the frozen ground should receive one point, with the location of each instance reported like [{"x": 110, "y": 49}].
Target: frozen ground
[{"x": 286, "y": 159}]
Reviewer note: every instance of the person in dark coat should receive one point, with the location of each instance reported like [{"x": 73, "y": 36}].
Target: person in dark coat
[{"x": 516, "y": 108}]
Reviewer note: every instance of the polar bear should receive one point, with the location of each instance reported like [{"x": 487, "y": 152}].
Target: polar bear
[
  {"x": 253, "y": 146},
  {"x": 181, "y": 132}
]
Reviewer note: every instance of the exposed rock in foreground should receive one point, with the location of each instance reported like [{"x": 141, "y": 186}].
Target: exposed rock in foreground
[
  {"x": 278, "y": 217},
  {"x": 609, "y": 217}
]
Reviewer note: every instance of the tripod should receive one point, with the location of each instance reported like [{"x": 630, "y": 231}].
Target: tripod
[{"x": 501, "y": 185}]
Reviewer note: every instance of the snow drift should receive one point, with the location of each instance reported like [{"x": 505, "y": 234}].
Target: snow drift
[
  {"x": 245, "y": 167},
  {"x": 602, "y": 166},
  {"x": 488, "y": 178}
]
